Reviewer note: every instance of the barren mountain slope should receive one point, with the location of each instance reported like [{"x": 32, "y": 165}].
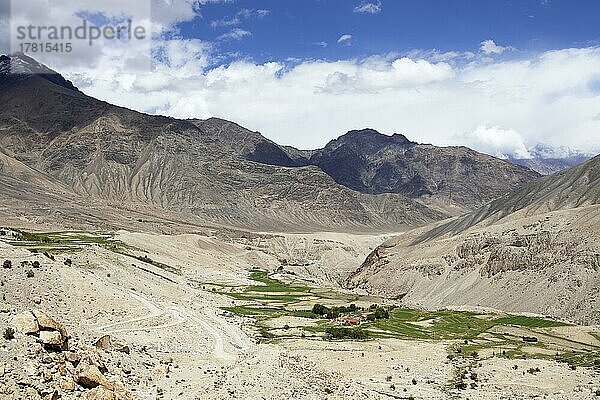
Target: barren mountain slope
[
  {"x": 371, "y": 162},
  {"x": 534, "y": 250},
  {"x": 132, "y": 159}
]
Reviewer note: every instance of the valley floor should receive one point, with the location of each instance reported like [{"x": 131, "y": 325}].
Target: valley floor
[{"x": 229, "y": 316}]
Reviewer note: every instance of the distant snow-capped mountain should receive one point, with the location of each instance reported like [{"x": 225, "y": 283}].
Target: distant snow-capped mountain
[{"x": 548, "y": 160}]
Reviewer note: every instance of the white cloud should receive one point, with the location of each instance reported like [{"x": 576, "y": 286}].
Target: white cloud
[
  {"x": 244, "y": 13},
  {"x": 225, "y": 21},
  {"x": 502, "y": 143},
  {"x": 235, "y": 34},
  {"x": 369, "y": 8},
  {"x": 346, "y": 38},
  {"x": 490, "y": 47},
  {"x": 321, "y": 44},
  {"x": 498, "y": 107}
]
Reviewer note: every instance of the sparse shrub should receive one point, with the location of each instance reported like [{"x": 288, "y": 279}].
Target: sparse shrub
[
  {"x": 460, "y": 385},
  {"x": 50, "y": 256},
  {"x": 68, "y": 262},
  {"x": 388, "y": 378},
  {"x": 533, "y": 371},
  {"x": 30, "y": 274},
  {"x": 381, "y": 313},
  {"x": 7, "y": 264},
  {"x": 336, "y": 332},
  {"x": 319, "y": 309},
  {"x": 9, "y": 333},
  {"x": 265, "y": 333},
  {"x": 36, "y": 264},
  {"x": 414, "y": 381}
]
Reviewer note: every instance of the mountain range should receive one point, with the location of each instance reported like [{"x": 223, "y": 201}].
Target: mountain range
[
  {"x": 224, "y": 174},
  {"x": 548, "y": 160}
]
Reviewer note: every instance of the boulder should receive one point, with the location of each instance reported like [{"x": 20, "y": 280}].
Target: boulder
[
  {"x": 104, "y": 343},
  {"x": 89, "y": 376},
  {"x": 52, "y": 338},
  {"x": 47, "y": 323},
  {"x": 25, "y": 323}
]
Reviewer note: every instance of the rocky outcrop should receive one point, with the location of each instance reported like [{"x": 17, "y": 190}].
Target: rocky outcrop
[
  {"x": 51, "y": 333},
  {"x": 42, "y": 368}
]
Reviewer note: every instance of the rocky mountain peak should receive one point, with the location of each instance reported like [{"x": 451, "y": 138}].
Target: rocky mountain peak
[
  {"x": 369, "y": 136},
  {"x": 19, "y": 66}
]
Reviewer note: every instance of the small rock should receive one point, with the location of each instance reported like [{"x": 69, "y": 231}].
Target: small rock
[
  {"x": 67, "y": 384},
  {"x": 37, "y": 300},
  {"x": 72, "y": 357},
  {"x": 47, "y": 359},
  {"x": 104, "y": 343},
  {"x": 47, "y": 376},
  {"x": 25, "y": 323},
  {"x": 52, "y": 338},
  {"x": 89, "y": 376},
  {"x": 52, "y": 396},
  {"x": 100, "y": 393}
]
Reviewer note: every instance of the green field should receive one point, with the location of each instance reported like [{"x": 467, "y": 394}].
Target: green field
[{"x": 469, "y": 334}]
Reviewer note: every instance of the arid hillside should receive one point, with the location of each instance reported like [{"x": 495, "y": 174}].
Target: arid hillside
[{"x": 534, "y": 250}]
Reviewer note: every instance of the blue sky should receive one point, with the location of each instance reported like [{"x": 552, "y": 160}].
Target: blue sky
[{"x": 294, "y": 28}]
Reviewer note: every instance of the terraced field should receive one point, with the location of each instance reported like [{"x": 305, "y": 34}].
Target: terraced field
[{"x": 468, "y": 334}]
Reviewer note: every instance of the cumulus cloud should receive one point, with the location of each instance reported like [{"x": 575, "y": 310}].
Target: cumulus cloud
[
  {"x": 368, "y": 8},
  {"x": 502, "y": 108},
  {"x": 345, "y": 38},
  {"x": 490, "y": 47},
  {"x": 502, "y": 143}
]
